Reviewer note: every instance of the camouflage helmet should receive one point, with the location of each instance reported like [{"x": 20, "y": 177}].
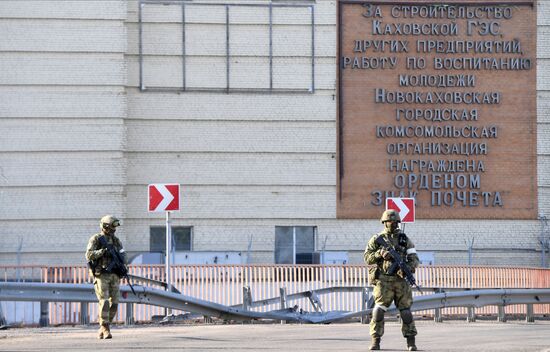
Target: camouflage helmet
[
  {"x": 109, "y": 220},
  {"x": 390, "y": 215}
]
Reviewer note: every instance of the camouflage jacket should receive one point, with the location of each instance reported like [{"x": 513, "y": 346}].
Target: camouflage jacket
[
  {"x": 95, "y": 253},
  {"x": 402, "y": 244}
]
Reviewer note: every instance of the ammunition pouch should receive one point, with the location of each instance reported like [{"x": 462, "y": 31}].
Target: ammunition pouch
[
  {"x": 92, "y": 266},
  {"x": 113, "y": 269},
  {"x": 374, "y": 275},
  {"x": 119, "y": 271}
]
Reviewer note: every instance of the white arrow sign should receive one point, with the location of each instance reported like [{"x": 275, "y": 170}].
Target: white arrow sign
[
  {"x": 163, "y": 197},
  {"x": 168, "y": 198},
  {"x": 405, "y": 207}
]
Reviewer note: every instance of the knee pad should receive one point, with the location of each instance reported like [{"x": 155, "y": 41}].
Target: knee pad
[
  {"x": 406, "y": 316},
  {"x": 378, "y": 314}
]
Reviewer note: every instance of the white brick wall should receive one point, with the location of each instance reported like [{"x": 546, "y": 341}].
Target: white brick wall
[
  {"x": 63, "y": 69},
  {"x": 238, "y": 168},
  {"x": 249, "y": 107},
  {"x": 70, "y": 102},
  {"x": 60, "y": 35},
  {"x": 62, "y": 104},
  {"x": 232, "y": 136},
  {"x": 58, "y": 169},
  {"x": 63, "y": 9},
  {"x": 80, "y": 140},
  {"x": 39, "y": 135}
]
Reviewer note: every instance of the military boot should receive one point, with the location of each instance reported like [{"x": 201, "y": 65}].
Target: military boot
[
  {"x": 375, "y": 344},
  {"x": 107, "y": 333},
  {"x": 411, "y": 346},
  {"x": 101, "y": 334}
]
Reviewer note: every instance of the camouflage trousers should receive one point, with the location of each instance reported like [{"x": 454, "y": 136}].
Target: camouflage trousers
[
  {"x": 108, "y": 294},
  {"x": 391, "y": 289}
]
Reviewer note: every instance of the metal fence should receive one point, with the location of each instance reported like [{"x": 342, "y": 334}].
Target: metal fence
[
  {"x": 224, "y": 284},
  {"x": 226, "y": 47}
]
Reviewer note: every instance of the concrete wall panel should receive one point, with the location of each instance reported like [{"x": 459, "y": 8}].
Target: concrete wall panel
[
  {"x": 63, "y": 9},
  {"x": 221, "y": 106},
  {"x": 232, "y": 168},
  {"x": 238, "y": 136},
  {"x": 63, "y": 69},
  {"x": 62, "y": 168},
  {"x": 543, "y": 13},
  {"x": 543, "y": 107},
  {"x": 62, "y": 102},
  {"x": 52, "y": 35},
  {"x": 61, "y": 135},
  {"x": 61, "y": 203}
]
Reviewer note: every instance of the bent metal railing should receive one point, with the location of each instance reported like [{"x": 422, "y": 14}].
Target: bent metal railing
[
  {"x": 17, "y": 291},
  {"x": 223, "y": 284}
]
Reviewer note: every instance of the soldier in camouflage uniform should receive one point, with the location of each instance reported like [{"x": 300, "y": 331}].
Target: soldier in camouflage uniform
[
  {"x": 106, "y": 283},
  {"x": 391, "y": 288}
]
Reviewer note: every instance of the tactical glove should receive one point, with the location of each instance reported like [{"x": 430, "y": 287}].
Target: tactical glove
[{"x": 385, "y": 254}]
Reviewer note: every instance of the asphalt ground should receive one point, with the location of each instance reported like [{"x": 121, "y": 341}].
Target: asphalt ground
[{"x": 446, "y": 336}]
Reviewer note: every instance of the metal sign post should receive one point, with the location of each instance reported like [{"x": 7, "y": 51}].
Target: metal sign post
[
  {"x": 165, "y": 198},
  {"x": 168, "y": 251}
]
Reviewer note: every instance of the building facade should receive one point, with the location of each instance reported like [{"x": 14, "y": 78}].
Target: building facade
[{"x": 237, "y": 101}]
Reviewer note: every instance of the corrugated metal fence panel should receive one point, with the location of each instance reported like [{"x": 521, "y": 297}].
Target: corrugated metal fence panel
[{"x": 224, "y": 284}]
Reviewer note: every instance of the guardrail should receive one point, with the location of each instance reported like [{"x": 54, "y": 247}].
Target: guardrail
[
  {"x": 84, "y": 293},
  {"x": 223, "y": 284}
]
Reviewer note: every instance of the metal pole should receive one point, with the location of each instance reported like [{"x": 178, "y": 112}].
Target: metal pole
[
  {"x": 365, "y": 295},
  {"x": 543, "y": 242},
  {"x": 44, "y": 314},
  {"x": 282, "y": 292},
  {"x": 84, "y": 317},
  {"x": 247, "y": 297},
  {"x": 183, "y": 44},
  {"x": 18, "y": 256},
  {"x": 530, "y": 317},
  {"x": 270, "y": 47},
  {"x": 323, "y": 251},
  {"x": 312, "y": 89},
  {"x": 129, "y": 314},
  {"x": 140, "y": 28},
  {"x": 249, "y": 250},
  {"x": 168, "y": 254},
  {"x": 2, "y": 319},
  {"x": 227, "y": 46},
  {"x": 294, "y": 245},
  {"x": 340, "y": 103},
  {"x": 470, "y": 244}
]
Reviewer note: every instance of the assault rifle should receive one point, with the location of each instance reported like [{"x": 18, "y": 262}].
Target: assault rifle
[
  {"x": 117, "y": 262},
  {"x": 398, "y": 262}
]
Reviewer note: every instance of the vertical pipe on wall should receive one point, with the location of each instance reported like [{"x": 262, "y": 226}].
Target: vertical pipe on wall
[
  {"x": 270, "y": 47},
  {"x": 183, "y": 49},
  {"x": 140, "y": 31},
  {"x": 227, "y": 46},
  {"x": 312, "y": 49}
]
